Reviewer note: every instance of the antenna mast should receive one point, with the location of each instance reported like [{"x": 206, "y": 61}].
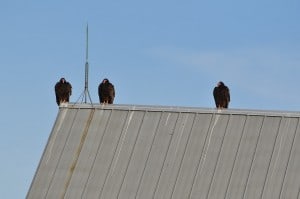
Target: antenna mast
[{"x": 86, "y": 93}]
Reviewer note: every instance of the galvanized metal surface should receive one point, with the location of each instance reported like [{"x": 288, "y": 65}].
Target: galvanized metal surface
[{"x": 126, "y": 151}]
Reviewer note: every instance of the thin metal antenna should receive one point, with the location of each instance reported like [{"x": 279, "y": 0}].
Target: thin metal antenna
[
  {"x": 87, "y": 43},
  {"x": 86, "y": 93}
]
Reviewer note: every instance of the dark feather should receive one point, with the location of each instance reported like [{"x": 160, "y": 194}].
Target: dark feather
[
  {"x": 221, "y": 95},
  {"x": 106, "y": 92},
  {"x": 63, "y": 91}
]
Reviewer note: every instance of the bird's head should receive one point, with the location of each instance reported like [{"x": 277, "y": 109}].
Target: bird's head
[
  {"x": 62, "y": 80},
  {"x": 220, "y": 83},
  {"x": 105, "y": 80}
]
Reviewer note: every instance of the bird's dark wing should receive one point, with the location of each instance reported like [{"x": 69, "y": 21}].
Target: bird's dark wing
[
  {"x": 227, "y": 94},
  {"x": 58, "y": 93},
  {"x": 111, "y": 93},
  {"x": 217, "y": 95}
]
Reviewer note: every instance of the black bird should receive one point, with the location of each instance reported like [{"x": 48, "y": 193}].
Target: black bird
[
  {"x": 221, "y": 95},
  {"x": 63, "y": 91},
  {"x": 106, "y": 92}
]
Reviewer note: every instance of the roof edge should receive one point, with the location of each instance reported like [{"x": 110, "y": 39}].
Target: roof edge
[{"x": 180, "y": 109}]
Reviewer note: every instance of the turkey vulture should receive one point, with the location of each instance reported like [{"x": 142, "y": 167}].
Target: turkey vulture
[
  {"x": 63, "y": 91},
  {"x": 106, "y": 92},
  {"x": 221, "y": 95}
]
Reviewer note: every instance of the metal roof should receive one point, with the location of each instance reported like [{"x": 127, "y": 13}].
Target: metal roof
[{"x": 127, "y": 151}]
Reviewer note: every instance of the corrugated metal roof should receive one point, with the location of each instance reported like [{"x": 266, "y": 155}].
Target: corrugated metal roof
[{"x": 128, "y": 151}]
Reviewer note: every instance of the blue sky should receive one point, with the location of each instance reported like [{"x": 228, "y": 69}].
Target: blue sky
[{"x": 155, "y": 53}]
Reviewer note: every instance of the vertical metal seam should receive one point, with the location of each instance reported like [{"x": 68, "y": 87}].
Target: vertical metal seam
[
  {"x": 59, "y": 125},
  {"x": 181, "y": 160},
  {"x": 113, "y": 157},
  {"x": 143, "y": 172},
  {"x": 98, "y": 148},
  {"x": 289, "y": 159},
  {"x": 235, "y": 156},
  {"x": 218, "y": 158},
  {"x": 58, "y": 161},
  {"x": 253, "y": 156},
  {"x": 200, "y": 158},
  {"x": 130, "y": 157},
  {"x": 166, "y": 154},
  {"x": 75, "y": 160},
  {"x": 271, "y": 157}
]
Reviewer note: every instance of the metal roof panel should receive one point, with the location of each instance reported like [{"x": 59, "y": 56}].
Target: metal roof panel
[{"x": 129, "y": 151}]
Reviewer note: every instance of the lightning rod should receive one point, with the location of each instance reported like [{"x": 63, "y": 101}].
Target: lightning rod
[{"x": 86, "y": 94}]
